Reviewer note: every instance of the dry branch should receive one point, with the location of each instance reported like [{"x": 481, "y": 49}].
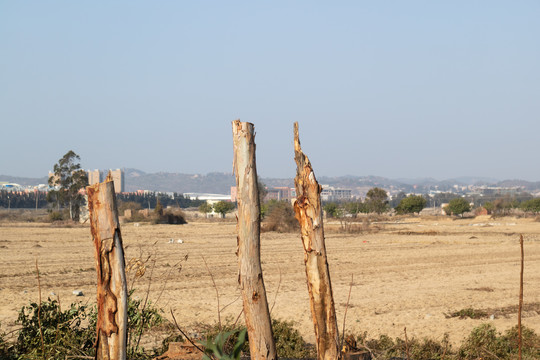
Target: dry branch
[
  {"x": 112, "y": 293},
  {"x": 217, "y": 293},
  {"x": 256, "y": 313},
  {"x": 39, "y": 312},
  {"x": 308, "y": 212},
  {"x": 185, "y": 335},
  {"x": 345, "y": 314}
]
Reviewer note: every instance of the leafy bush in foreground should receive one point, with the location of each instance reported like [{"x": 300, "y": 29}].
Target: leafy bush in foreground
[
  {"x": 72, "y": 332},
  {"x": 486, "y": 343},
  {"x": 289, "y": 342},
  {"x": 215, "y": 348},
  {"x": 63, "y": 331}
]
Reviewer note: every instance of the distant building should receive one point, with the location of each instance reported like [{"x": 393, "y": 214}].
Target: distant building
[
  {"x": 209, "y": 198},
  {"x": 276, "y": 193},
  {"x": 330, "y": 193},
  {"x": 499, "y": 191},
  {"x": 94, "y": 177},
  {"x": 280, "y": 193},
  {"x": 118, "y": 179},
  {"x": 10, "y": 186}
]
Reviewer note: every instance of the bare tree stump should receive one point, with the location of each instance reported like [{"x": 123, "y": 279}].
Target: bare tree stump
[
  {"x": 111, "y": 328},
  {"x": 308, "y": 212},
  {"x": 256, "y": 313}
]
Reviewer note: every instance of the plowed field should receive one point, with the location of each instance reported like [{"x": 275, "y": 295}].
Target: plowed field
[{"x": 409, "y": 272}]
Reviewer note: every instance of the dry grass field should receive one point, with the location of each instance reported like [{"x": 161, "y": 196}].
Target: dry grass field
[{"x": 410, "y": 272}]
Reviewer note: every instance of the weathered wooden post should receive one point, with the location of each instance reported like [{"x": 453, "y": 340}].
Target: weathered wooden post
[
  {"x": 308, "y": 212},
  {"x": 256, "y": 313},
  {"x": 111, "y": 328}
]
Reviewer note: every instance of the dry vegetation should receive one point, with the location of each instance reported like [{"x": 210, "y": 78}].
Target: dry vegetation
[{"x": 411, "y": 272}]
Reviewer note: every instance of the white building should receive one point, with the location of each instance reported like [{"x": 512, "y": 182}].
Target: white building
[{"x": 330, "y": 193}]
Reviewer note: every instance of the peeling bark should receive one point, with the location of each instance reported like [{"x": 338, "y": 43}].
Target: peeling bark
[
  {"x": 256, "y": 313},
  {"x": 111, "y": 328},
  {"x": 308, "y": 212}
]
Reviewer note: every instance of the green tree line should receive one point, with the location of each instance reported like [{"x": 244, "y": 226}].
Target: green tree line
[
  {"x": 377, "y": 201},
  {"x": 22, "y": 200},
  {"x": 149, "y": 200}
]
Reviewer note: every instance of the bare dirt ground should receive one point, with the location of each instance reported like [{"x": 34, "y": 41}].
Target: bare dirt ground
[{"x": 410, "y": 273}]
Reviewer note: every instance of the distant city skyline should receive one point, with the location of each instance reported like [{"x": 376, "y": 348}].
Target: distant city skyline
[
  {"x": 405, "y": 180},
  {"x": 394, "y": 89}
]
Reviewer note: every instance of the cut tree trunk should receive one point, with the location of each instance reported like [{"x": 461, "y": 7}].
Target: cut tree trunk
[
  {"x": 308, "y": 212},
  {"x": 112, "y": 294},
  {"x": 256, "y": 313}
]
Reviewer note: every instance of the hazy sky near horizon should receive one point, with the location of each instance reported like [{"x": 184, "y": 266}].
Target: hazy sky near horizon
[{"x": 401, "y": 89}]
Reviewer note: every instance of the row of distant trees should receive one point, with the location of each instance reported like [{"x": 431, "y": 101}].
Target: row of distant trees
[
  {"x": 221, "y": 207},
  {"x": 377, "y": 201},
  {"x": 39, "y": 199},
  {"x": 67, "y": 181},
  {"x": 150, "y": 200},
  {"x": 16, "y": 200}
]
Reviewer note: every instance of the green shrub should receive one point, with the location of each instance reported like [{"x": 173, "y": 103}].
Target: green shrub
[
  {"x": 211, "y": 332},
  {"x": 289, "y": 342},
  {"x": 72, "y": 332},
  {"x": 457, "y": 206},
  {"x": 215, "y": 347},
  {"x": 530, "y": 342},
  {"x": 484, "y": 342},
  {"x": 63, "y": 331},
  {"x": 280, "y": 217},
  {"x": 385, "y": 347},
  {"x": 333, "y": 210},
  {"x": 469, "y": 313},
  {"x": 141, "y": 317},
  {"x": 6, "y": 350},
  {"x": 411, "y": 204},
  {"x": 427, "y": 349},
  {"x": 532, "y": 205},
  {"x": 55, "y": 216}
]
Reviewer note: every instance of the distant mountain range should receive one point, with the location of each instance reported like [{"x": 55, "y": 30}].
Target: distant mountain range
[
  {"x": 220, "y": 183},
  {"x": 24, "y": 181}
]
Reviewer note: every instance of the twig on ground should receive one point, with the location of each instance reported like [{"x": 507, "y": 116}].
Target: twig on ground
[
  {"x": 168, "y": 274},
  {"x": 58, "y": 312},
  {"x": 443, "y": 356},
  {"x": 39, "y": 313},
  {"x": 277, "y": 291},
  {"x": 146, "y": 303},
  {"x": 185, "y": 335},
  {"x": 232, "y": 302},
  {"x": 445, "y": 340},
  {"x": 217, "y": 292},
  {"x": 371, "y": 353},
  {"x": 406, "y": 344},
  {"x": 238, "y": 317},
  {"x": 483, "y": 348},
  {"x": 345, "y": 314}
]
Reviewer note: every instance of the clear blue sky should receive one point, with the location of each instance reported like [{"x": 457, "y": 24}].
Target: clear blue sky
[{"x": 391, "y": 88}]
